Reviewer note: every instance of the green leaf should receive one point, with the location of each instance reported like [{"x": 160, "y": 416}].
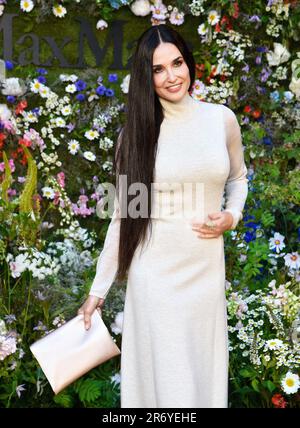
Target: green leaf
[
  {"x": 64, "y": 400},
  {"x": 269, "y": 385},
  {"x": 255, "y": 385},
  {"x": 90, "y": 390}
]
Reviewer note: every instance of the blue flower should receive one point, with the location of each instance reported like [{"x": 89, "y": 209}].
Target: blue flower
[
  {"x": 10, "y": 99},
  {"x": 112, "y": 77},
  {"x": 250, "y": 236},
  {"x": 80, "y": 97},
  {"x": 41, "y": 71},
  {"x": 42, "y": 79},
  {"x": 267, "y": 141},
  {"x": 100, "y": 90},
  {"x": 80, "y": 85},
  {"x": 9, "y": 65},
  {"x": 275, "y": 96},
  {"x": 109, "y": 92},
  {"x": 114, "y": 3},
  {"x": 36, "y": 110}
]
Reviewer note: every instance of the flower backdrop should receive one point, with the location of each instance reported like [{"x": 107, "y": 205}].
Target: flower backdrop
[{"x": 58, "y": 128}]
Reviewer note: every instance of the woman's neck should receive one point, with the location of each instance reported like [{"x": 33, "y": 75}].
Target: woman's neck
[{"x": 176, "y": 110}]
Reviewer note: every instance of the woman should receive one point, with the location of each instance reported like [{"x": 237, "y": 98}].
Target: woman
[{"x": 174, "y": 338}]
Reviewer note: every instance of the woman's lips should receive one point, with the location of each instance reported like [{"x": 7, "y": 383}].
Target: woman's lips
[{"x": 175, "y": 88}]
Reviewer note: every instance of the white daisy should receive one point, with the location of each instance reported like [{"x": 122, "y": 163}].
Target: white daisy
[
  {"x": 35, "y": 86},
  {"x": 48, "y": 192},
  {"x": 71, "y": 88},
  {"x": 60, "y": 122},
  {"x": 29, "y": 117},
  {"x": 73, "y": 146},
  {"x": 89, "y": 156},
  {"x": 277, "y": 242},
  {"x": 26, "y": 5},
  {"x": 202, "y": 29},
  {"x": 290, "y": 383},
  {"x": 274, "y": 344},
  {"x": 59, "y": 10},
  {"x": 91, "y": 134},
  {"x": 66, "y": 110},
  {"x": 292, "y": 260},
  {"x": 44, "y": 91},
  {"x": 101, "y": 24},
  {"x": 213, "y": 17}
]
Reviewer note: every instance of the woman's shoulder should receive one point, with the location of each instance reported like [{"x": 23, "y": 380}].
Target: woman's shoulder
[{"x": 211, "y": 107}]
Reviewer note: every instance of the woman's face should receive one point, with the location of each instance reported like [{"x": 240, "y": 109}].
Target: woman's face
[{"x": 171, "y": 76}]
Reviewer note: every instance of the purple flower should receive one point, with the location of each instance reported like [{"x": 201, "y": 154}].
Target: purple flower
[
  {"x": 70, "y": 127},
  {"x": 109, "y": 92},
  {"x": 254, "y": 18},
  {"x": 80, "y": 97},
  {"x": 10, "y": 99},
  {"x": 42, "y": 79},
  {"x": 264, "y": 75},
  {"x": 80, "y": 85},
  {"x": 9, "y": 319},
  {"x": 9, "y": 65},
  {"x": 100, "y": 90},
  {"x": 112, "y": 77},
  {"x": 258, "y": 60},
  {"x": 246, "y": 68}
]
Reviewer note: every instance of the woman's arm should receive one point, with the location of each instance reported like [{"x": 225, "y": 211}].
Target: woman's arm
[
  {"x": 236, "y": 187},
  {"x": 107, "y": 263}
]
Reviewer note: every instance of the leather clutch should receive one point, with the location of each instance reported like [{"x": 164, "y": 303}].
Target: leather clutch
[{"x": 70, "y": 351}]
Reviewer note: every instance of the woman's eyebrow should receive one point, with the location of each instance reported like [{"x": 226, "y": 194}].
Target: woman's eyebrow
[{"x": 159, "y": 65}]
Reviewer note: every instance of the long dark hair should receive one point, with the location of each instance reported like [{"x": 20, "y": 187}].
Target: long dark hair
[{"x": 136, "y": 152}]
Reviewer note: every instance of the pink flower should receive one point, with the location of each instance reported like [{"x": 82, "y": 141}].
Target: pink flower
[{"x": 61, "y": 179}]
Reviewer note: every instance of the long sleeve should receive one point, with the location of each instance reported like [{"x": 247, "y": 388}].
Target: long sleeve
[
  {"x": 236, "y": 187},
  {"x": 107, "y": 263}
]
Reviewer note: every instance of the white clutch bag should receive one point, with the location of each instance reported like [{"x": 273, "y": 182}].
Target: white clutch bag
[{"x": 70, "y": 351}]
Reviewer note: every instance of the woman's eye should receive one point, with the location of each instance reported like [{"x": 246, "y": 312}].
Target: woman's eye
[{"x": 177, "y": 63}]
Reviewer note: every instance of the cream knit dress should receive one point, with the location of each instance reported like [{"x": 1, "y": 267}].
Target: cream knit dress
[{"x": 174, "y": 350}]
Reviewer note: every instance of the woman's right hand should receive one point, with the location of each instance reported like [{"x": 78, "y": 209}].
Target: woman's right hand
[{"x": 87, "y": 309}]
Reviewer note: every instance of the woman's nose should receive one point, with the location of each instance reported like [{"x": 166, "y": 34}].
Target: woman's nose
[{"x": 171, "y": 75}]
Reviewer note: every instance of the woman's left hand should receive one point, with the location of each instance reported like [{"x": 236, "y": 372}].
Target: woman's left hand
[{"x": 221, "y": 222}]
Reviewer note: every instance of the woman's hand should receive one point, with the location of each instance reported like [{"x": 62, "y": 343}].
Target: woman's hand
[
  {"x": 87, "y": 309},
  {"x": 221, "y": 222}
]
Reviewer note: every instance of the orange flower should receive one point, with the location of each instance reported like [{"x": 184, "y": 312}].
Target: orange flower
[
  {"x": 21, "y": 106},
  {"x": 279, "y": 401},
  {"x": 256, "y": 114},
  {"x": 247, "y": 109}
]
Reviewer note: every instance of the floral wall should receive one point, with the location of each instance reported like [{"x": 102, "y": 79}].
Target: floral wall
[{"x": 64, "y": 74}]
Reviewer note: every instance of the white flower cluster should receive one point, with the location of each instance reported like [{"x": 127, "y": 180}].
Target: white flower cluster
[
  {"x": 74, "y": 231},
  {"x": 68, "y": 255},
  {"x": 279, "y": 74},
  {"x": 273, "y": 28},
  {"x": 196, "y": 7},
  {"x": 219, "y": 91},
  {"x": 106, "y": 143},
  {"x": 40, "y": 264},
  {"x": 249, "y": 333},
  {"x": 8, "y": 341},
  {"x": 279, "y": 8},
  {"x": 234, "y": 43}
]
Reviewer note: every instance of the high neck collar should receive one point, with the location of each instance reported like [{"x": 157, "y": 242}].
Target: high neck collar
[{"x": 181, "y": 109}]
